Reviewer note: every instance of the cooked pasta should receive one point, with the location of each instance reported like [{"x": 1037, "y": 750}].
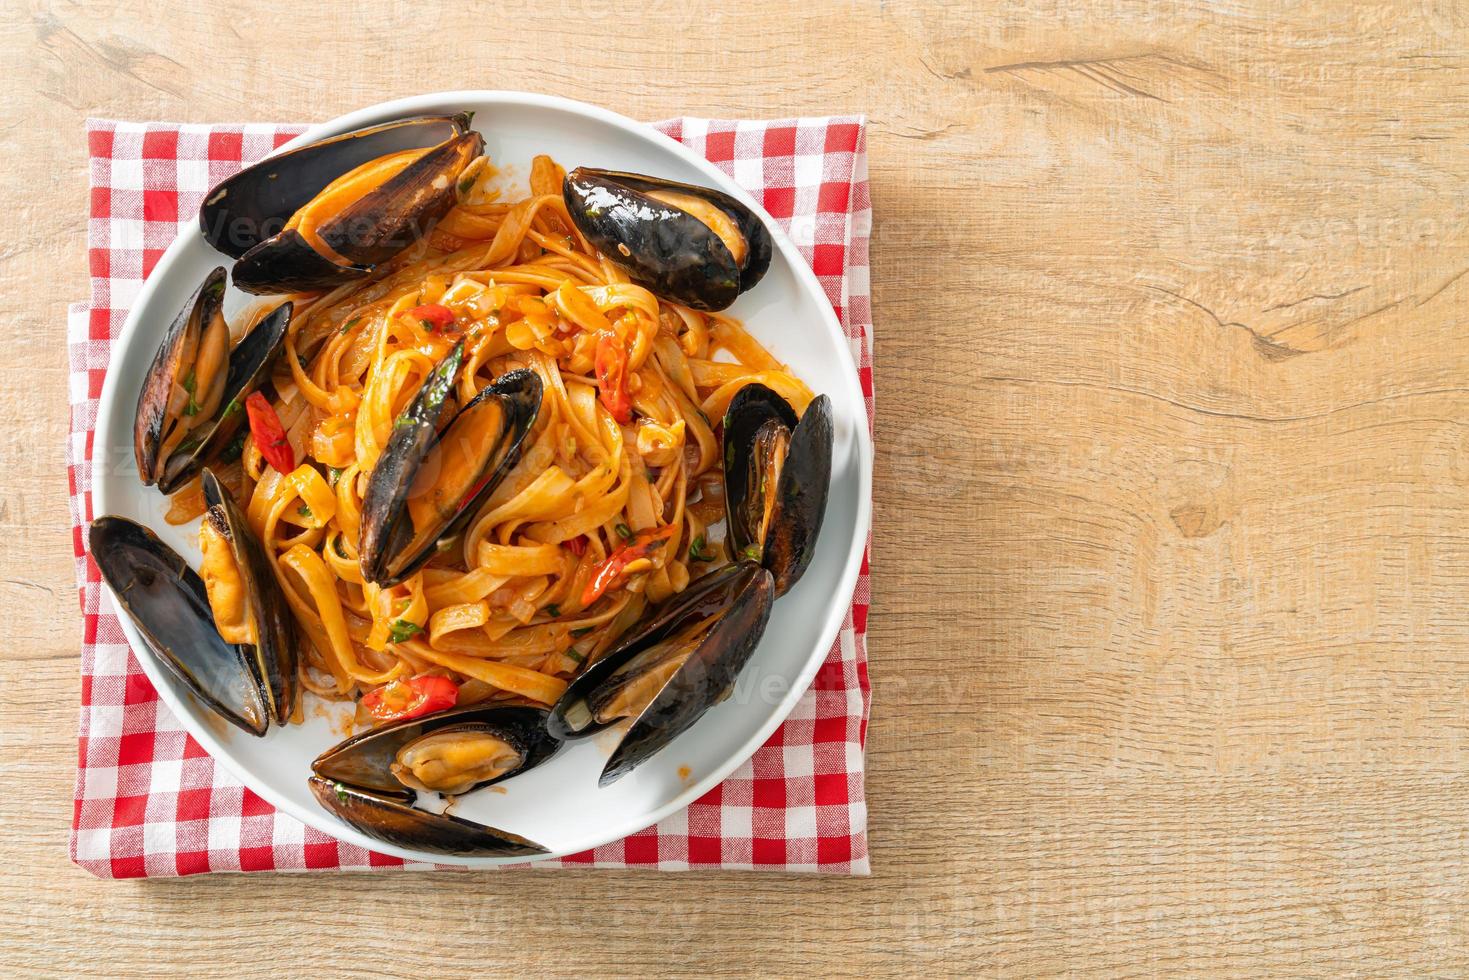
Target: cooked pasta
[{"x": 616, "y": 501}]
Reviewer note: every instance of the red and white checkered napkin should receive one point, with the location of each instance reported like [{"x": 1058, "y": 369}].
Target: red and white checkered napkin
[{"x": 151, "y": 802}]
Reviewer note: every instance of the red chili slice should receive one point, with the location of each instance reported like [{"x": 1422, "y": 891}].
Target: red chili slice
[
  {"x": 270, "y": 435},
  {"x": 434, "y": 314},
  {"x": 416, "y": 696},
  {"x": 610, "y": 569},
  {"x": 611, "y": 367},
  {"x": 578, "y": 545}
]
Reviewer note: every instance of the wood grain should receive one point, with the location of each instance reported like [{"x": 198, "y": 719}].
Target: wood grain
[{"x": 1169, "y": 646}]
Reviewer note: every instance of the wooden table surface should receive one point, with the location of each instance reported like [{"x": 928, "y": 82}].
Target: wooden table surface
[{"x": 1170, "y": 641}]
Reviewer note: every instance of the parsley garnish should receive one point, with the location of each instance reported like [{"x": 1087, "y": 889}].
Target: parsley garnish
[
  {"x": 338, "y": 546},
  {"x": 696, "y": 550},
  {"x": 428, "y": 325},
  {"x": 402, "y": 631},
  {"x": 230, "y": 409},
  {"x": 553, "y": 610},
  {"x": 334, "y": 473},
  {"x": 623, "y": 531},
  {"x": 301, "y": 360},
  {"x": 752, "y": 552},
  {"x": 350, "y": 324},
  {"x": 466, "y": 184},
  {"x": 582, "y": 630},
  {"x": 234, "y": 448},
  {"x": 576, "y": 655},
  {"x": 341, "y": 791},
  {"x": 190, "y": 383},
  {"x": 304, "y": 511}
]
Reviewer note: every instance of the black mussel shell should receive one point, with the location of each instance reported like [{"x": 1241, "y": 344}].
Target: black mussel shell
[
  {"x": 273, "y": 657},
  {"x": 363, "y": 760},
  {"x": 250, "y": 362},
  {"x": 245, "y": 216},
  {"x": 801, "y": 490},
  {"x": 387, "y": 546},
  {"x": 393, "y": 819},
  {"x": 734, "y": 603},
  {"x": 151, "y": 419},
  {"x": 662, "y": 247},
  {"x": 166, "y": 600}
]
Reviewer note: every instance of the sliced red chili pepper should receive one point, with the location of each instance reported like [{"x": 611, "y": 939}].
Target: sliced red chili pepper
[
  {"x": 578, "y": 545},
  {"x": 611, "y": 367},
  {"x": 610, "y": 569},
  {"x": 270, "y": 435},
  {"x": 421, "y": 695},
  {"x": 433, "y": 314}
]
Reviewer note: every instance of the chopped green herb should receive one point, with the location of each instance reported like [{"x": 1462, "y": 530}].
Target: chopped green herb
[
  {"x": 338, "y": 546},
  {"x": 189, "y": 385},
  {"x": 301, "y": 360},
  {"x": 752, "y": 552},
  {"x": 402, "y": 631},
  {"x": 351, "y": 323},
  {"x": 582, "y": 630},
  {"x": 234, "y": 448},
  {"x": 576, "y": 655},
  {"x": 623, "y": 531},
  {"x": 648, "y": 472},
  {"x": 466, "y": 184},
  {"x": 230, "y": 409},
  {"x": 428, "y": 325},
  {"x": 553, "y": 610},
  {"x": 333, "y": 474},
  {"x": 341, "y": 791},
  {"x": 696, "y": 550},
  {"x": 304, "y": 511}
]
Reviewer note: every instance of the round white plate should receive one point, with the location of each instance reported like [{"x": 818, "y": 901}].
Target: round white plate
[{"x": 558, "y": 804}]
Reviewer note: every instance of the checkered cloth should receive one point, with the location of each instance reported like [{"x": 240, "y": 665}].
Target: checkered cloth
[{"x": 151, "y": 802}]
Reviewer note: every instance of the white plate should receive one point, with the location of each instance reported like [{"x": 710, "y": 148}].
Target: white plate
[{"x": 558, "y": 804}]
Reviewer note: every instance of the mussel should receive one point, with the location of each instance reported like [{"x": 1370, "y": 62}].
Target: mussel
[
  {"x": 439, "y": 464},
  {"x": 693, "y": 245},
  {"x": 192, "y": 400},
  {"x": 371, "y": 780},
  {"x": 245, "y": 599},
  {"x": 329, "y": 212},
  {"x": 672, "y": 670},
  {"x": 226, "y": 635},
  {"x": 777, "y": 472}
]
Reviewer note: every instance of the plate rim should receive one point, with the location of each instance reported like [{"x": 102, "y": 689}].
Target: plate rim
[{"x": 836, "y": 607}]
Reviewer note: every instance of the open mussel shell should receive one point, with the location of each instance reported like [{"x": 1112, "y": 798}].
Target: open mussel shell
[
  {"x": 247, "y": 216},
  {"x": 440, "y": 464},
  {"x": 272, "y": 657},
  {"x": 166, "y": 454},
  {"x": 166, "y": 600},
  {"x": 690, "y": 244},
  {"x": 395, "y": 820},
  {"x": 467, "y": 747},
  {"x": 678, "y": 666},
  {"x": 777, "y": 474}
]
